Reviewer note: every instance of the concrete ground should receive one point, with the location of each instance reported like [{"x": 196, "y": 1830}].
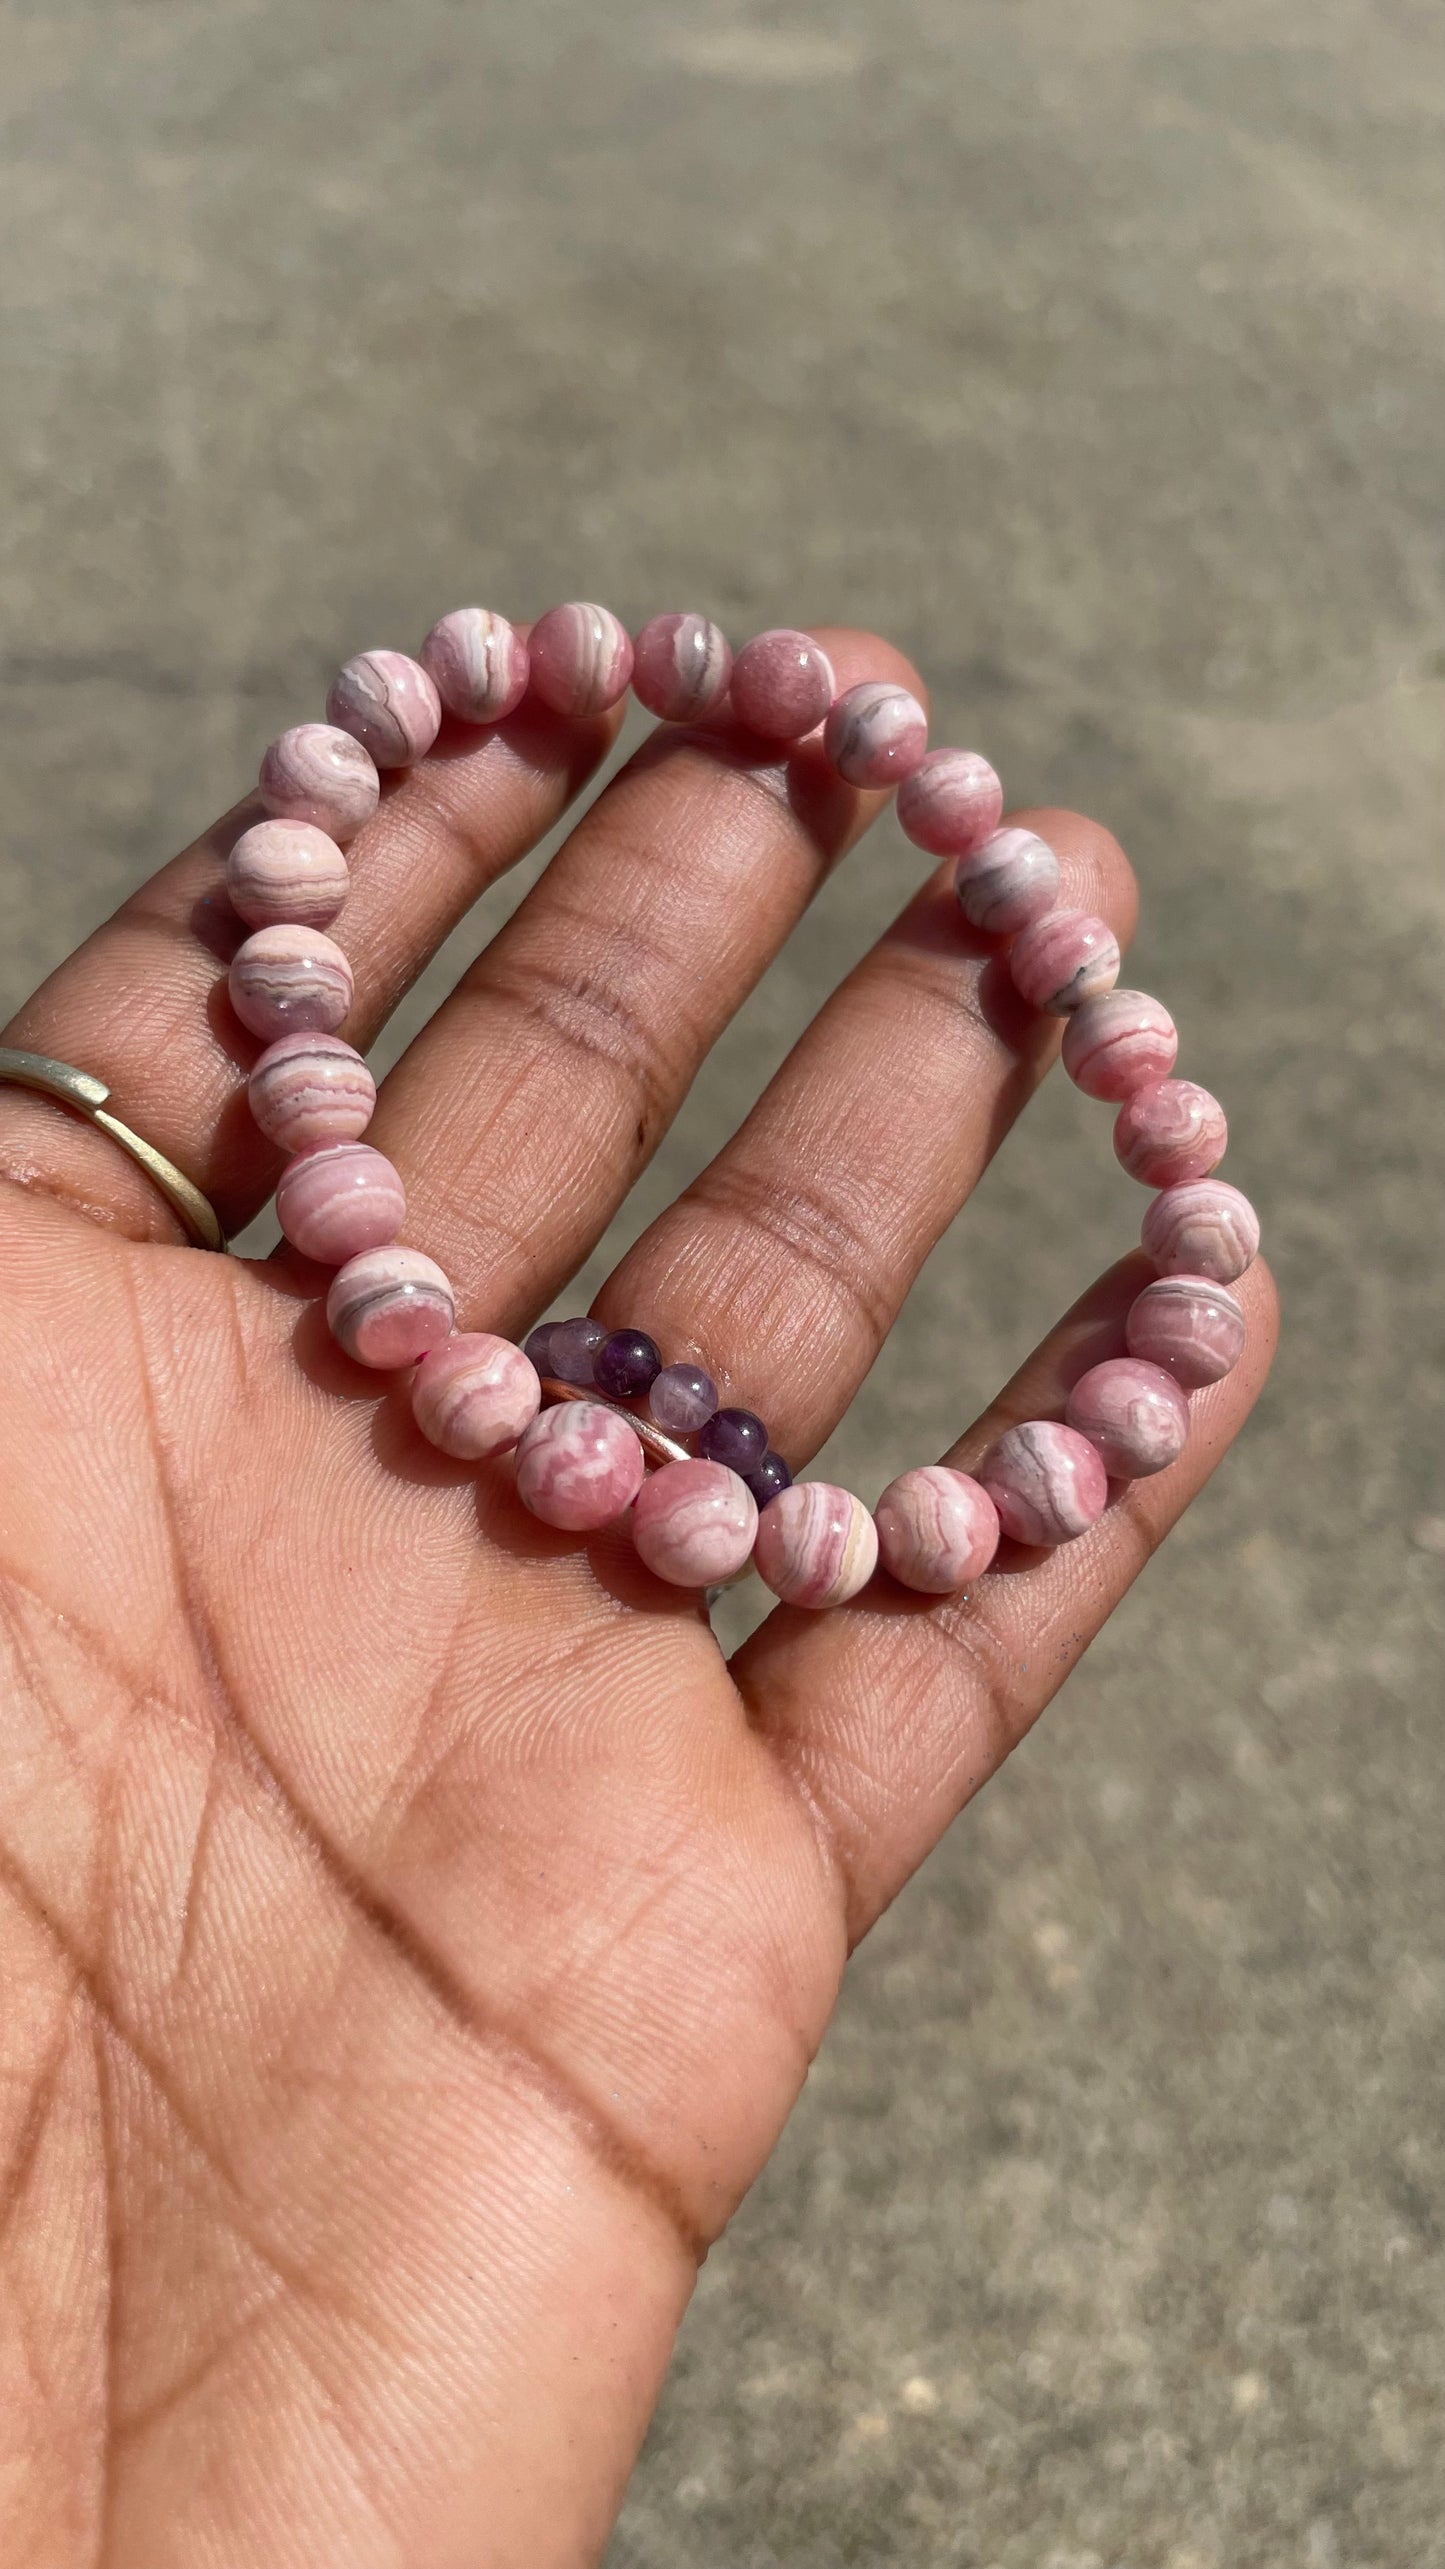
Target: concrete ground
[{"x": 1089, "y": 350}]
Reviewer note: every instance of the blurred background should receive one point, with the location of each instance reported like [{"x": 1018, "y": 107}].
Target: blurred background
[{"x": 1091, "y": 353}]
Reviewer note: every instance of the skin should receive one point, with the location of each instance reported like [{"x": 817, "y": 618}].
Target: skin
[{"x": 414, "y": 1933}]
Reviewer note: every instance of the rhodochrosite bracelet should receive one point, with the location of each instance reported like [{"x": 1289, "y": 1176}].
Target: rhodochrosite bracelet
[{"x": 586, "y": 1409}]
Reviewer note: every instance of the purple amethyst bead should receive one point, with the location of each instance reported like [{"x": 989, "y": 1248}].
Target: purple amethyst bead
[
  {"x": 626, "y": 1364},
  {"x": 538, "y": 1348},
  {"x": 574, "y": 1350},
  {"x": 768, "y": 1477},
  {"x": 736, "y": 1437},
  {"x": 682, "y": 1399}
]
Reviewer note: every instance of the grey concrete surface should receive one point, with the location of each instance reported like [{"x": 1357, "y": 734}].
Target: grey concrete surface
[{"x": 1092, "y": 352}]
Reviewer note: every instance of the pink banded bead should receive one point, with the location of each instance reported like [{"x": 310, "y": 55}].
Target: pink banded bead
[
  {"x": 876, "y": 733},
  {"x": 311, "y": 1088},
  {"x": 783, "y": 684},
  {"x": 581, "y": 659},
  {"x": 478, "y": 664},
  {"x": 1046, "y": 1482},
  {"x": 1063, "y": 959},
  {"x": 681, "y": 666},
  {"x": 389, "y": 1306},
  {"x": 579, "y": 1466},
  {"x": 951, "y": 803},
  {"x": 1134, "y": 1415},
  {"x": 1009, "y": 881},
  {"x": 1205, "y": 1227},
  {"x": 1191, "y": 1326},
  {"x": 1171, "y": 1132},
  {"x": 475, "y": 1395},
  {"x": 319, "y": 774},
  {"x": 286, "y": 874},
  {"x": 387, "y": 701},
  {"x": 694, "y": 1523},
  {"x": 290, "y": 980},
  {"x": 338, "y": 1198},
  {"x": 816, "y": 1545},
  {"x": 937, "y": 1529},
  {"x": 1120, "y": 1041}
]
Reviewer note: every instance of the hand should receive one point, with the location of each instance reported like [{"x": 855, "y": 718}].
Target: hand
[{"x": 414, "y": 1933}]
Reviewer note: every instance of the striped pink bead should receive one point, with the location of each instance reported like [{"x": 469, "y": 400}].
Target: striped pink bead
[
  {"x": 579, "y": 1466},
  {"x": 475, "y": 1395},
  {"x": 290, "y": 980},
  {"x": 694, "y": 1523},
  {"x": 311, "y": 1088},
  {"x": 1166, "y": 1134},
  {"x": 581, "y": 659},
  {"x": 681, "y": 666},
  {"x": 478, "y": 664},
  {"x": 319, "y": 774},
  {"x": 817, "y": 1545},
  {"x": 1063, "y": 959},
  {"x": 1046, "y": 1482},
  {"x": 951, "y": 803},
  {"x": 286, "y": 874},
  {"x": 1205, "y": 1228},
  {"x": 1009, "y": 881},
  {"x": 386, "y": 701},
  {"x": 1134, "y": 1415},
  {"x": 1120, "y": 1041},
  {"x": 937, "y": 1529},
  {"x": 783, "y": 684},
  {"x": 338, "y": 1198},
  {"x": 1191, "y": 1326},
  {"x": 389, "y": 1306},
  {"x": 875, "y": 734}
]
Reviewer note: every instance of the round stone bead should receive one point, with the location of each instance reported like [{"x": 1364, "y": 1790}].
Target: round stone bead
[
  {"x": 951, "y": 803},
  {"x": 816, "y": 1545},
  {"x": 681, "y": 665},
  {"x": 287, "y": 981},
  {"x": 574, "y": 1351},
  {"x": 1008, "y": 882},
  {"x": 1062, "y": 959},
  {"x": 1171, "y": 1132},
  {"x": 338, "y": 1198},
  {"x": 386, "y": 701},
  {"x": 581, "y": 659},
  {"x": 318, "y": 774},
  {"x": 625, "y": 1364},
  {"x": 876, "y": 733},
  {"x": 478, "y": 664},
  {"x": 1046, "y": 1481},
  {"x": 286, "y": 874},
  {"x": 1134, "y": 1415},
  {"x": 579, "y": 1466},
  {"x": 736, "y": 1437},
  {"x": 783, "y": 684},
  {"x": 389, "y": 1306},
  {"x": 311, "y": 1088},
  {"x": 937, "y": 1529},
  {"x": 1203, "y": 1228},
  {"x": 767, "y": 1478},
  {"x": 1120, "y": 1041},
  {"x": 474, "y": 1395},
  {"x": 1191, "y": 1326},
  {"x": 694, "y": 1523},
  {"x": 538, "y": 1349},
  {"x": 682, "y": 1399}
]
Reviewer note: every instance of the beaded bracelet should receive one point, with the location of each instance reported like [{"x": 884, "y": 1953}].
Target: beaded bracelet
[{"x": 586, "y": 1409}]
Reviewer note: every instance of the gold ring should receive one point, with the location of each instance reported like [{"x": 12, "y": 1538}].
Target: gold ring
[
  {"x": 655, "y": 1443},
  {"x": 81, "y": 1090}
]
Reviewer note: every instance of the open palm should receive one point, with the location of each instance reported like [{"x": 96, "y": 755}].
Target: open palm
[{"x": 414, "y": 1933}]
